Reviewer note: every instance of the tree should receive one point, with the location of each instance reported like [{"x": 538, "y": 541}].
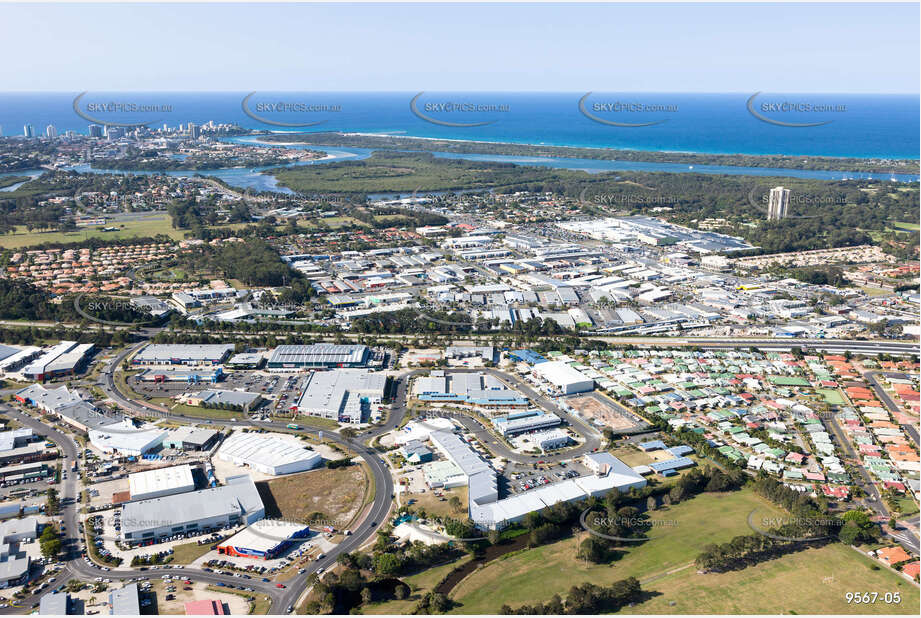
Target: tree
[
  {"x": 850, "y": 533},
  {"x": 455, "y": 503},
  {"x": 401, "y": 591},
  {"x": 386, "y": 564},
  {"x": 53, "y": 503},
  {"x": 50, "y": 542},
  {"x": 677, "y": 494},
  {"x": 592, "y": 550},
  {"x": 438, "y": 602},
  {"x": 366, "y": 595},
  {"x": 651, "y": 504}
]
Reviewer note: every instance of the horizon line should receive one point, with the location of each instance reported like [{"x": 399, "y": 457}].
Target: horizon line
[{"x": 743, "y": 92}]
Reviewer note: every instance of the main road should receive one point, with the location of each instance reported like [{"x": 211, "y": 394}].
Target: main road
[
  {"x": 282, "y": 598},
  {"x": 909, "y": 428},
  {"x": 383, "y": 480},
  {"x": 373, "y": 519}
]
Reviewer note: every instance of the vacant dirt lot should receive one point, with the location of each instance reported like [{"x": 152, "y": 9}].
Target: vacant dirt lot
[
  {"x": 233, "y": 602},
  {"x": 593, "y": 406},
  {"x": 335, "y": 495}
]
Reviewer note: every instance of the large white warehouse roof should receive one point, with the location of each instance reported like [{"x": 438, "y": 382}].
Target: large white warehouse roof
[
  {"x": 161, "y": 482},
  {"x": 268, "y": 454},
  {"x": 563, "y": 376}
]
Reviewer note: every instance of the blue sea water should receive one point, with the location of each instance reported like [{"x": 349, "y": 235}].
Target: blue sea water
[{"x": 863, "y": 126}]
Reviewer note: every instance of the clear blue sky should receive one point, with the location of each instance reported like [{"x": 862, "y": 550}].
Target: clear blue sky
[{"x": 617, "y": 47}]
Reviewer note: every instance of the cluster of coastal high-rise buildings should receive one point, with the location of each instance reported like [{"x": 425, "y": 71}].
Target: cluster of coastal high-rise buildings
[
  {"x": 29, "y": 131},
  {"x": 190, "y": 129}
]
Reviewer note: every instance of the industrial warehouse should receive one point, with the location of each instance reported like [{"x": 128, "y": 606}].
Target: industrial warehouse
[
  {"x": 318, "y": 356},
  {"x": 235, "y": 503},
  {"x": 566, "y": 379},
  {"x": 268, "y": 454},
  {"x": 126, "y": 439},
  {"x": 484, "y": 506},
  {"x": 187, "y": 438},
  {"x": 520, "y": 422},
  {"x": 265, "y": 539},
  {"x": 228, "y": 400},
  {"x": 344, "y": 396},
  {"x": 72, "y": 409},
  {"x": 15, "y": 563},
  {"x": 66, "y": 358},
  {"x": 183, "y": 354},
  {"x": 474, "y": 389},
  {"x": 160, "y": 482}
]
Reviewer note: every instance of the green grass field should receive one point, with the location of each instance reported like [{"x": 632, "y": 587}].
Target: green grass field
[
  {"x": 308, "y": 421},
  {"x": 537, "y": 574},
  {"x": 631, "y": 456},
  {"x": 189, "y": 552},
  {"x": 831, "y": 396},
  {"x": 912, "y": 227},
  {"x": 814, "y": 581},
  {"x": 907, "y": 506},
  {"x": 873, "y": 292},
  {"x": 337, "y": 222},
  {"x": 143, "y": 227}
]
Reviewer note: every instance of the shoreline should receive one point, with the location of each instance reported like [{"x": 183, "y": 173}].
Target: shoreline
[
  {"x": 601, "y": 148},
  {"x": 875, "y": 165}
]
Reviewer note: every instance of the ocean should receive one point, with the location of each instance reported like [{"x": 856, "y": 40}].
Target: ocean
[{"x": 845, "y": 125}]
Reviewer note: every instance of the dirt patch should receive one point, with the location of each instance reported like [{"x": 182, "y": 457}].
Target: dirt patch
[
  {"x": 332, "y": 495},
  {"x": 237, "y": 605},
  {"x": 595, "y": 407}
]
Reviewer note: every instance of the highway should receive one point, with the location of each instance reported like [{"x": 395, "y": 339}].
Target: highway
[{"x": 870, "y": 347}]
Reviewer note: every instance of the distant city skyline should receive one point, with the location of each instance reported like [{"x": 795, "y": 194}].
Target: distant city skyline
[{"x": 693, "y": 48}]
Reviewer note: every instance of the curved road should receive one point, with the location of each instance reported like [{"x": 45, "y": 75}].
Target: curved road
[
  {"x": 75, "y": 566},
  {"x": 383, "y": 481}
]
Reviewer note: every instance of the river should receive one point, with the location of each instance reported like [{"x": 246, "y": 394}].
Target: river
[{"x": 255, "y": 179}]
